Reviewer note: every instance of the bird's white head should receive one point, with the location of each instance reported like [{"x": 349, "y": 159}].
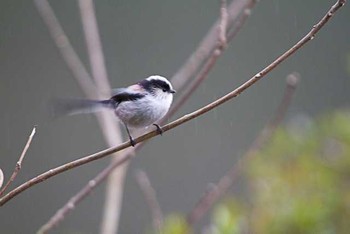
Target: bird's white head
[{"x": 158, "y": 86}]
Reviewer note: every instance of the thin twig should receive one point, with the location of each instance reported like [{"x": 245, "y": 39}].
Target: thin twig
[
  {"x": 44, "y": 176},
  {"x": 19, "y": 162},
  {"x": 208, "y": 65},
  {"x": 241, "y": 20},
  {"x": 291, "y": 81},
  {"x": 151, "y": 198},
  {"x": 206, "y": 201},
  {"x": 207, "y": 45},
  {"x": 115, "y": 185},
  {"x": 65, "y": 48},
  {"x": 94, "y": 46}
]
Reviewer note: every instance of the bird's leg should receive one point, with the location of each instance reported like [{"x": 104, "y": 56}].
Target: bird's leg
[
  {"x": 132, "y": 141},
  {"x": 159, "y": 129}
]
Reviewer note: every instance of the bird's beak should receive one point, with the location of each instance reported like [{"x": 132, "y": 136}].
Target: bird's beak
[{"x": 172, "y": 91}]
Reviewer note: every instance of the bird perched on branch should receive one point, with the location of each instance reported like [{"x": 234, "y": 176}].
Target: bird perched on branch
[{"x": 137, "y": 106}]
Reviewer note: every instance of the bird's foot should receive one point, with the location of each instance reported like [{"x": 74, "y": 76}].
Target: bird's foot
[
  {"x": 132, "y": 141},
  {"x": 159, "y": 129}
]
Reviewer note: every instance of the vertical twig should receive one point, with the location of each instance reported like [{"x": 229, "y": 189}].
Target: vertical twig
[
  {"x": 94, "y": 46},
  {"x": 291, "y": 84},
  {"x": 151, "y": 198},
  {"x": 207, "y": 45},
  {"x": 209, "y": 198},
  {"x": 241, "y": 20},
  {"x": 19, "y": 162},
  {"x": 208, "y": 65},
  {"x": 115, "y": 184}
]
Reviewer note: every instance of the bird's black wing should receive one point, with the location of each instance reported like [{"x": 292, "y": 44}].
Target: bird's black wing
[
  {"x": 122, "y": 95},
  {"x": 126, "y": 96}
]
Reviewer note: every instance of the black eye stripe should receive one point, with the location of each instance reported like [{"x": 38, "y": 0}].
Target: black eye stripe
[{"x": 150, "y": 85}]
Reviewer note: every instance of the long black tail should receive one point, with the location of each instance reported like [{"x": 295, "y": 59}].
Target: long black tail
[{"x": 61, "y": 107}]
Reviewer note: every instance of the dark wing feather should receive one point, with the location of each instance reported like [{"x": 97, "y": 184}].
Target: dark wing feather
[{"x": 124, "y": 96}]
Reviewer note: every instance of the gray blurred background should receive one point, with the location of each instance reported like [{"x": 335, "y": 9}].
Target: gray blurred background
[{"x": 141, "y": 38}]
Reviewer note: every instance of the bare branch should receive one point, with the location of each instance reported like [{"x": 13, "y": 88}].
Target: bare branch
[
  {"x": 94, "y": 45},
  {"x": 179, "y": 121},
  {"x": 65, "y": 48},
  {"x": 19, "y": 162},
  {"x": 207, "y": 45},
  {"x": 150, "y": 196},
  {"x": 213, "y": 57},
  {"x": 206, "y": 201},
  {"x": 292, "y": 81},
  {"x": 241, "y": 20}
]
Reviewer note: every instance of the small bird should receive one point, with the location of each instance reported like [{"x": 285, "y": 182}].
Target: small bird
[{"x": 137, "y": 106}]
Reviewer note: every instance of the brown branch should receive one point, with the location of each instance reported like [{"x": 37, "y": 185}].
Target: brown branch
[
  {"x": 19, "y": 162},
  {"x": 209, "y": 198},
  {"x": 150, "y": 196},
  {"x": 179, "y": 121}
]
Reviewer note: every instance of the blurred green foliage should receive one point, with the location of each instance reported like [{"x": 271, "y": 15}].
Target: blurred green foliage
[
  {"x": 175, "y": 224},
  {"x": 298, "y": 183}
]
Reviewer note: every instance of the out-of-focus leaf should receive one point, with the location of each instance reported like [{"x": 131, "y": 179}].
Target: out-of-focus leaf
[
  {"x": 175, "y": 224},
  {"x": 228, "y": 217}
]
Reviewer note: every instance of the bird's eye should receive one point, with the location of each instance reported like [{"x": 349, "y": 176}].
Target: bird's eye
[{"x": 164, "y": 90}]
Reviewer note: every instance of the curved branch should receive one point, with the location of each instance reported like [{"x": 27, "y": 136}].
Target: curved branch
[{"x": 309, "y": 36}]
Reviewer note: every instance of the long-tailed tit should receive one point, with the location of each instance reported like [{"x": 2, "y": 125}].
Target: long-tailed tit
[{"x": 139, "y": 105}]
